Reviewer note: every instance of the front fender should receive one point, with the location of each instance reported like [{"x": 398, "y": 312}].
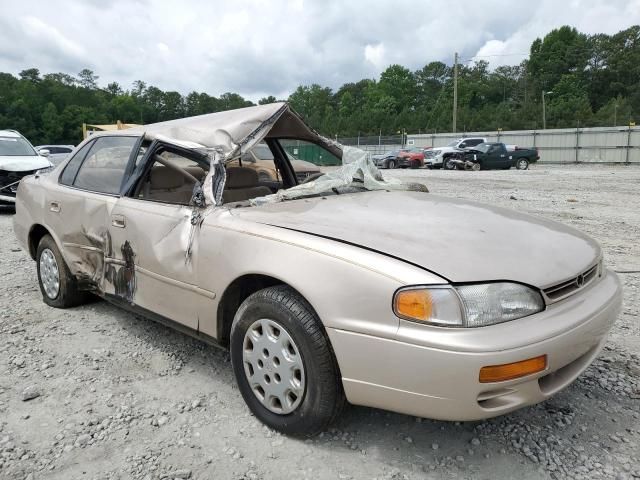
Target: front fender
[{"x": 349, "y": 287}]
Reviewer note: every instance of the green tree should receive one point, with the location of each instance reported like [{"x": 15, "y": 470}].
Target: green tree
[
  {"x": 88, "y": 79},
  {"x": 30, "y": 74},
  {"x": 267, "y": 100},
  {"x": 51, "y": 125}
]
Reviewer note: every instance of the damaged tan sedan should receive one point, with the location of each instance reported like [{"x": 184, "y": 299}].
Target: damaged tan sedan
[{"x": 346, "y": 287}]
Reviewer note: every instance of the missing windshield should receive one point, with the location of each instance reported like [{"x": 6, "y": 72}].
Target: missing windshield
[{"x": 357, "y": 174}]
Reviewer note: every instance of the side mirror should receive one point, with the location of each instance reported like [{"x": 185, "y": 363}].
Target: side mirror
[{"x": 44, "y": 152}]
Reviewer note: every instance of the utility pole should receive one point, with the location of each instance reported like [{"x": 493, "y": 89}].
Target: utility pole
[
  {"x": 544, "y": 110},
  {"x": 455, "y": 90},
  {"x": 544, "y": 113}
]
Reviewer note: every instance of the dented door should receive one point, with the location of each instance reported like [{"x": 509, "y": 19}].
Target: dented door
[
  {"x": 149, "y": 267},
  {"x": 79, "y": 207},
  {"x": 80, "y": 221}
]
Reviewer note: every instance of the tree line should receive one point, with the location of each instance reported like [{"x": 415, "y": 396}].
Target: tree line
[{"x": 587, "y": 80}]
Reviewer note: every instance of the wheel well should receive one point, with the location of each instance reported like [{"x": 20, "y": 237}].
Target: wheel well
[
  {"x": 35, "y": 235},
  {"x": 236, "y": 293}
]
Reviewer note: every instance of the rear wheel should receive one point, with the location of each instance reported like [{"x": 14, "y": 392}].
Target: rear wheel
[
  {"x": 391, "y": 163},
  {"x": 283, "y": 363},
  {"x": 58, "y": 286},
  {"x": 522, "y": 164},
  {"x": 476, "y": 167}
]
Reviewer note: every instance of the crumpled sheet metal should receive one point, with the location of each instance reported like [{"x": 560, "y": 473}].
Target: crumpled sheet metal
[
  {"x": 357, "y": 169},
  {"x": 223, "y": 130}
]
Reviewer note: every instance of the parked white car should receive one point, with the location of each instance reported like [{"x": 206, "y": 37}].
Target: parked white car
[{"x": 18, "y": 159}]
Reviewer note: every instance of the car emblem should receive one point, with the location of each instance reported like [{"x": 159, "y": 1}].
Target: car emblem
[{"x": 580, "y": 281}]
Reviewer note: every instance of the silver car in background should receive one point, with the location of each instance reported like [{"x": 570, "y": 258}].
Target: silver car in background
[{"x": 57, "y": 153}]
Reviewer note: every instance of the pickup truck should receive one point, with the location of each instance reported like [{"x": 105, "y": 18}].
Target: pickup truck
[
  {"x": 491, "y": 156},
  {"x": 438, "y": 155}
]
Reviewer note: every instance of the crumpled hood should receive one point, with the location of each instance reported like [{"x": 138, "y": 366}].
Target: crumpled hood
[
  {"x": 459, "y": 240},
  {"x": 23, "y": 164}
]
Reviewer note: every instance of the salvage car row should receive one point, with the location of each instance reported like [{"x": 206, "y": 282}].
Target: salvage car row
[{"x": 461, "y": 154}]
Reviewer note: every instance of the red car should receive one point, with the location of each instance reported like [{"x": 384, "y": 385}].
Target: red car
[{"x": 411, "y": 158}]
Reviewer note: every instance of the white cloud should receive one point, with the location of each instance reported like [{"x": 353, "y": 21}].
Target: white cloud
[
  {"x": 262, "y": 47},
  {"x": 374, "y": 54},
  {"x": 49, "y": 37}
]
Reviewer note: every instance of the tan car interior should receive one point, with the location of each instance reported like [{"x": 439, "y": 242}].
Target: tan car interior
[
  {"x": 243, "y": 184},
  {"x": 170, "y": 182}
]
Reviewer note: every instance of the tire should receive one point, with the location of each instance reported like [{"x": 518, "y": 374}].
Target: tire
[
  {"x": 446, "y": 165},
  {"x": 415, "y": 164},
  {"x": 522, "y": 164},
  {"x": 476, "y": 167},
  {"x": 303, "y": 345},
  {"x": 50, "y": 264},
  {"x": 391, "y": 164}
]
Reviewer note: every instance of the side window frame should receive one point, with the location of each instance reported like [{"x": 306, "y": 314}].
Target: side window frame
[
  {"x": 84, "y": 154},
  {"x": 131, "y": 186},
  {"x": 93, "y": 143}
]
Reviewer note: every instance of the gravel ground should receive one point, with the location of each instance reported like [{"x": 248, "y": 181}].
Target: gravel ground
[{"x": 97, "y": 393}]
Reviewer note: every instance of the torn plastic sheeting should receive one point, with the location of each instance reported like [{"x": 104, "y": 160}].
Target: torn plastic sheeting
[{"x": 357, "y": 170}]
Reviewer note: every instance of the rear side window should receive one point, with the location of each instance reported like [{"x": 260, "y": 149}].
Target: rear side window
[
  {"x": 69, "y": 174},
  {"x": 104, "y": 166}
]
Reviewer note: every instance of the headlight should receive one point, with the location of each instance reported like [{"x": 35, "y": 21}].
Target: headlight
[{"x": 475, "y": 305}]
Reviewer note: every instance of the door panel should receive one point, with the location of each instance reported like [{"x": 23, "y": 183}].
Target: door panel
[
  {"x": 80, "y": 220},
  {"x": 149, "y": 266}
]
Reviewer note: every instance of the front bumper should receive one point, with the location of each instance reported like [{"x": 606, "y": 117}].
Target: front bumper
[
  {"x": 433, "y": 372},
  {"x": 408, "y": 162},
  {"x": 9, "y": 182}
]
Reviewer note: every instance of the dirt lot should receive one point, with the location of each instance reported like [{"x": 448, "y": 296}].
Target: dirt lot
[{"x": 118, "y": 396}]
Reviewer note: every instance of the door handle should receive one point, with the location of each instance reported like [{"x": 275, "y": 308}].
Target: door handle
[
  {"x": 118, "y": 221},
  {"x": 502, "y": 156},
  {"x": 54, "y": 206}
]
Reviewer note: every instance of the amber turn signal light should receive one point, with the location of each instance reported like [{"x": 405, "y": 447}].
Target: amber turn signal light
[
  {"x": 414, "y": 304},
  {"x": 509, "y": 371}
]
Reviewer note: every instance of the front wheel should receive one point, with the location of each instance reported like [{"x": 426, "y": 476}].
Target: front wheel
[
  {"x": 522, "y": 164},
  {"x": 283, "y": 363},
  {"x": 449, "y": 164}
]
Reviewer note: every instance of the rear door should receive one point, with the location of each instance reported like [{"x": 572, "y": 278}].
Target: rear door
[{"x": 78, "y": 208}]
